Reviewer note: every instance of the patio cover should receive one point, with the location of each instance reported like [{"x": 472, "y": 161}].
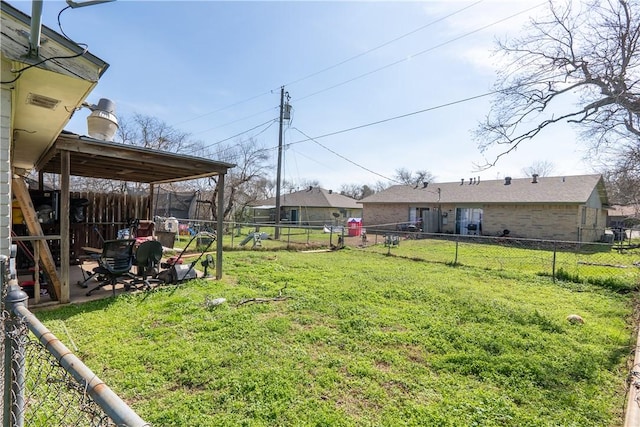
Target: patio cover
[
  {"x": 109, "y": 160},
  {"x": 77, "y": 155}
]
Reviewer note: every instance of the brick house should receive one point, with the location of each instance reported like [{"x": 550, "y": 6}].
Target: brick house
[
  {"x": 571, "y": 208},
  {"x": 312, "y": 206}
]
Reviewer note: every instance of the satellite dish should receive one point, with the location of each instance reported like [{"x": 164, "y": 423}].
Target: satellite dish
[{"x": 76, "y": 4}]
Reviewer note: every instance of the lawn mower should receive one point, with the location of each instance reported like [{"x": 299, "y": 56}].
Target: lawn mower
[{"x": 176, "y": 271}]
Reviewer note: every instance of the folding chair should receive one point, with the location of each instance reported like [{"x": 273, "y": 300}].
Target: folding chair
[{"x": 115, "y": 262}]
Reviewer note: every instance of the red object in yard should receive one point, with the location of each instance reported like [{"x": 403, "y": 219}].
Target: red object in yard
[
  {"x": 355, "y": 226},
  {"x": 172, "y": 260}
]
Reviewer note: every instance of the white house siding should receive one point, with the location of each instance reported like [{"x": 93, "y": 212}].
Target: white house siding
[{"x": 5, "y": 162}]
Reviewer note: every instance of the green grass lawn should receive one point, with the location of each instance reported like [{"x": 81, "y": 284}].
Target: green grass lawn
[{"x": 360, "y": 339}]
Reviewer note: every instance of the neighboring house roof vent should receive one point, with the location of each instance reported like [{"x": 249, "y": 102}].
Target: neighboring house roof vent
[
  {"x": 310, "y": 188},
  {"x": 42, "y": 101},
  {"x": 507, "y": 180},
  {"x": 462, "y": 181},
  {"x": 330, "y": 191},
  {"x": 471, "y": 181},
  {"x": 478, "y": 181},
  {"x": 425, "y": 184},
  {"x": 535, "y": 178}
]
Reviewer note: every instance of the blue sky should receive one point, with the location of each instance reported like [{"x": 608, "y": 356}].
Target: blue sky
[{"x": 214, "y": 69}]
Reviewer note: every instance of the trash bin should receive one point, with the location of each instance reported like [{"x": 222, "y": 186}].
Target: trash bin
[{"x": 355, "y": 226}]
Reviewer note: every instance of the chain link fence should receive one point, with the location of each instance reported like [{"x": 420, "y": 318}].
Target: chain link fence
[
  {"x": 613, "y": 265},
  {"x": 42, "y": 382}
]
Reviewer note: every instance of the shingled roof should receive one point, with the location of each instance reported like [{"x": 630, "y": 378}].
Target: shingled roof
[
  {"x": 558, "y": 189},
  {"x": 315, "y": 197}
]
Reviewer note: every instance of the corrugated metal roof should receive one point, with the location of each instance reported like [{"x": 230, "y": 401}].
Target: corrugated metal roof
[
  {"x": 315, "y": 197},
  {"x": 558, "y": 189}
]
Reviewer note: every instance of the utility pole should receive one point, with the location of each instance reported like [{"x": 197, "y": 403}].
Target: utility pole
[{"x": 283, "y": 109}]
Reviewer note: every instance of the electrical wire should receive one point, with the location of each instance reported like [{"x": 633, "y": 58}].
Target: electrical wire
[
  {"x": 345, "y": 158},
  {"x": 60, "y": 25},
  {"x": 413, "y": 113},
  {"x": 84, "y": 46},
  {"x": 410, "y": 57},
  {"x": 226, "y": 108},
  {"x": 53, "y": 58},
  {"x": 270, "y": 122},
  {"x": 383, "y": 44},
  {"x": 235, "y": 121},
  {"x": 331, "y": 66},
  {"x": 383, "y": 67}
]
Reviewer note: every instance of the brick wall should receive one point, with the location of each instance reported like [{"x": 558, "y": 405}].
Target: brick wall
[
  {"x": 382, "y": 214},
  {"x": 553, "y": 222}
]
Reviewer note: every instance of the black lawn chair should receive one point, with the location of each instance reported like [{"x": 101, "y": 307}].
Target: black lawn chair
[{"x": 115, "y": 263}]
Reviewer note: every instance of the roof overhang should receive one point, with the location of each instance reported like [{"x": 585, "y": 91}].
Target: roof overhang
[
  {"x": 93, "y": 158},
  {"x": 46, "y": 89}
]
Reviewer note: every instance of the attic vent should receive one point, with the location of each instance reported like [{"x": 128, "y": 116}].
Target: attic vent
[
  {"x": 535, "y": 178},
  {"x": 42, "y": 101},
  {"x": 507, "y": 180}
]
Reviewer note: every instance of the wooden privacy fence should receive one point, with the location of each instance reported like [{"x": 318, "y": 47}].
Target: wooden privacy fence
[{"x": 103, "y": 216}]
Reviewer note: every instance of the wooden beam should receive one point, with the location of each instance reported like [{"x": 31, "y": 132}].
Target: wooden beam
[
  {"x": 219, "y": 226},
  {"x": 64, "y": 226},
  {"x": 21, "y": 192}
]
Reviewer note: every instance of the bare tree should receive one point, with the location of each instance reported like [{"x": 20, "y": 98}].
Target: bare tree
[
  {"x": 623, "y": 181},
  {"x": 244, "y": 183},
  {"x": 356, "y": 191},
  {"x": 588, "y": 57},
  {"x": 150, "y": 132},
  {"x": 540, "y": 168},
  {"x": 407, "y": 177}
]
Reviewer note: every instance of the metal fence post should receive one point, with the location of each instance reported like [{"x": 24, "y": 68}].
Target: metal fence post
[
  {"x": 14, "y": 359},
  {"x": 553, "y": 265},
  {"x": 455, "y": 261}
]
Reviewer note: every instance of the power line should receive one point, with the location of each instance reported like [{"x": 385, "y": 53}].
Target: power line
[
  {"x": 345, "y": 158},
  {"x": 395, "y": 62},
  {"x": 410, "y": 57},
  {"x": 269, "y": 122},
  {"x": 383, "y": 44},
  {"x": 331, "y": 66},
  {"x": 234, "y": 121},
  {"x": 224, "y": 108},
  {"x": 413, "y": 113}
]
